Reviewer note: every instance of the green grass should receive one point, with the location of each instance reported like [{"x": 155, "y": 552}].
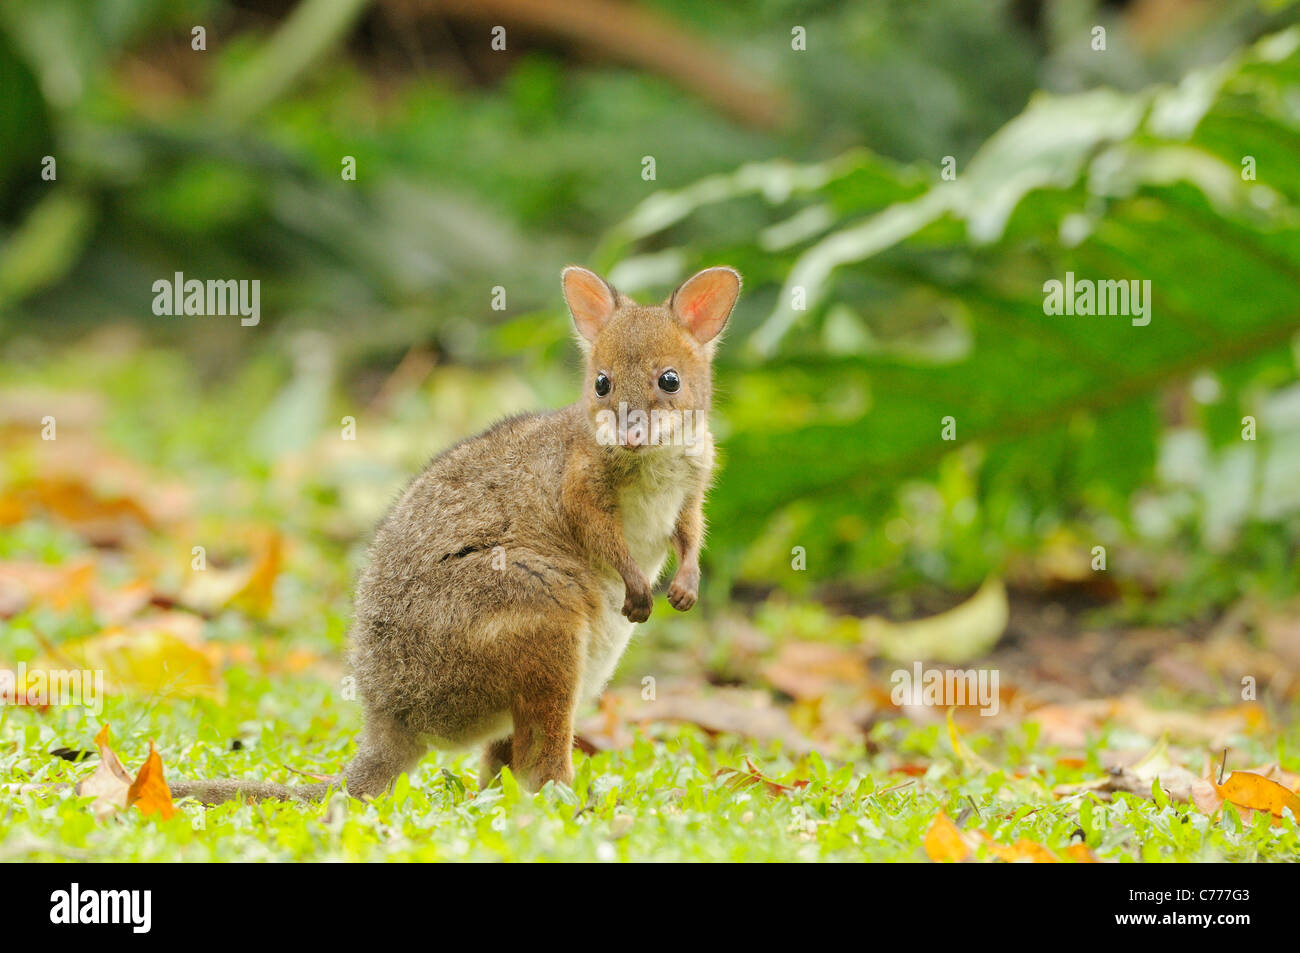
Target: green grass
[{"x": 666, "y": 797}]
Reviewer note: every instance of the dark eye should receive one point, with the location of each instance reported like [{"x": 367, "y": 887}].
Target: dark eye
[
  {"x": 603, "y": 384},
  {"x": 669, "y": 382}
]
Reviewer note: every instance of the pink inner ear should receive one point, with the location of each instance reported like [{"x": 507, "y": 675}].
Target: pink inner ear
[
  {"x": 704, "y": 302},
  {"x": 590, "y": 300}
]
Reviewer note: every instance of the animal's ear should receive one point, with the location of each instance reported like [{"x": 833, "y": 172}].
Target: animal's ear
[
  {"x": 590, "y": 298},
  {"x": 704, "y": 301}
]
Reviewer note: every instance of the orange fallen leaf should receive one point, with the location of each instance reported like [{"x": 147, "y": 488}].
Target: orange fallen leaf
[
  {"x": 1273, "y": 771},
  {"x": 149, "y": 792},
  {"x": 812, "y": 670},
  {"x": 248, "y": 587},
  {"x": 1022, "y": 850},
  {"x": 59, "y": 587},
  {"x": 1259, "y": 793},
  {"x": 114, "y": 790},
  {"x": 1081, "y": 854},
  {"x": 103, "y": 519},
  {"x": 944, "y": 841},
  {"x": 258, "y": 593}
]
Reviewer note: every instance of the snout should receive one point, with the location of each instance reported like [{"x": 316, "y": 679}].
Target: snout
[
  {"x": 638, "y": 437},
  {"x": 635, "y": 429}
]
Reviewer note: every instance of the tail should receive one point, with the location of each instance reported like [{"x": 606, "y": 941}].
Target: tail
[
  {"x": 386, "y": 751},
  {"x": 218, "y": 792}
]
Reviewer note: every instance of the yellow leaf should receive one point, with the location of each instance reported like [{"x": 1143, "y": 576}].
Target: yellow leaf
[
  {"x": 155, "y": 655},
  {"x": 969, "y": 759},
  {"x": 965, "y": 632},
  {"x": 1259, "y": 793}
]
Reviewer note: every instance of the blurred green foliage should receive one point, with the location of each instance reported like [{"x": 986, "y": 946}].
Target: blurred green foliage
[
  {"x": 881, "y": 302},
  {"x": 924, "y": 296}
]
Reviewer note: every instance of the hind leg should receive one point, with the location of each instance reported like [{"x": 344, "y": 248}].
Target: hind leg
[
  {"x": 542, "y": 745},
  {"x": 387, "y": 749},
  {"x": 496, "y": 755},
  {"x": 547, "y": 659}
]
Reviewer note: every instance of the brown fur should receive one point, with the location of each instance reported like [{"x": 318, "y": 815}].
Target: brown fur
[{"x": 502, "y": 586}]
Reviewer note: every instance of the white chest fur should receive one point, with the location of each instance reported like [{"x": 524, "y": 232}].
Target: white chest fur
[{"x": 649, "y": 507}]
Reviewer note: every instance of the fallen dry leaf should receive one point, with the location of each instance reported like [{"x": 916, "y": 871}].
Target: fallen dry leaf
[
  {"x": 1254, "y": 791},
  {"x": 812, "y": 670},
  {"x": 1023, "y": 850},
  {"x": 1275, "y": 772},
  {"x": 59, "y": 587},
  {"x": 149, "y": 793},
  {"x": 102, "y": 519},
  {"x": 1178, "y": 783},
  {"x": 74, "y": 585},
  {"x": 110, "y": 784},
  {"x": 1081, "y": 854},
  {"x": 748, "y": 714},
  {"x": 114, "y": 790},
  {"x": 248, "y": 587},
  {"x": 106, "y": 497},
  {"x": 944, "y": 842},
  {"x": 1070, "y": 725},
  {"x": 158, "y": 654},
  {"x": 968, "y": 631}
]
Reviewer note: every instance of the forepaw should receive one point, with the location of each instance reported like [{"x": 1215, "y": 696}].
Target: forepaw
[
  {"x": 637, "y": 603},
  {"x": 684, "y": 589}
]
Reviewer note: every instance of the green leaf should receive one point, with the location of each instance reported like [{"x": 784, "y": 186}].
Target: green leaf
[{"x": 857, "y": 338}]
